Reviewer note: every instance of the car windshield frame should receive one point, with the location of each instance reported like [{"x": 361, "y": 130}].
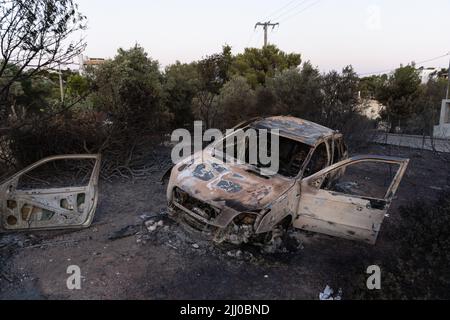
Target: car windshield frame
[{"x": 219, "y": 154}]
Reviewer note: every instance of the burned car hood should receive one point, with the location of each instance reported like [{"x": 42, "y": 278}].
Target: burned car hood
[{"x": 234, "y": 185}]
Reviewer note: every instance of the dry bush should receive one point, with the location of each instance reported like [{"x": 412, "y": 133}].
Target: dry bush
[
  {"x": 127, "y": 151},
  {"x": 64, "y": 134},
  {"x": 420, "y": 261}
]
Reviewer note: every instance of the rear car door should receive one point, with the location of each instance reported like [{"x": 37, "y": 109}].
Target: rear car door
[
  {"x": 57, "y": 192},
  {"x": 354, "y": 205}
]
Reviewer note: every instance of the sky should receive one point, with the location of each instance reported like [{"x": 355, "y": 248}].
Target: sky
[{"x": 371, "y": 35}]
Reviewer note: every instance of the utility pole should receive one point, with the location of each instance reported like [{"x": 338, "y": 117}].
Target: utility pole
[
  {"x": 265, "y": 25},
  {"x": 448, "y": 78},
  {"x": 61, "y": 84}
]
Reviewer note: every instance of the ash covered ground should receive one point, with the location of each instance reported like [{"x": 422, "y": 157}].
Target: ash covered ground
[{"x": 134, "y": 251}]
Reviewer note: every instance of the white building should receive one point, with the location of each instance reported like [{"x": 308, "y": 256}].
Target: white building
[
  {"x": 371, "y": 108},
  {"x": 426, "y": 74},
  {"x": 86, "y": 62}
]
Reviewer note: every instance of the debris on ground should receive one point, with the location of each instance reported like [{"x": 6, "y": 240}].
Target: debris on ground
[
  {"x": 145, "y": 216},
  {"x": 7, "y": 277},
  {"x": 328, "y": 292},
  {"x": 239, "y": 254},
  {"x": 275, "y": 245},
  {"x": 289, "y": 242},
  {"x": 235, "y": 253},
  {"x": 152, "y": 225},
  {"x": 18, "y": 240},
  {"x": 172, "y": 245},
  {"x": 124, "y": 232},
  {"x": 296, "y": 239}
]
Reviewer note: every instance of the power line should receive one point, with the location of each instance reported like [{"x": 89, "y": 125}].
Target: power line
[
  {"x": 290, "y": 10},
  {"x": 250, "y": 38},
  {"x": 392, "y": 69},
  {"x": 281, "y": 12},
  {"x": 432, "y": 59},
  {"x": 267, "y": 18},
  {"x": 302, "y": 10},
  {"x": 280, "y": 9}
]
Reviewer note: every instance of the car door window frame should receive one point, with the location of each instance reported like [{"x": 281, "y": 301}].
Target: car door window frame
[
  {"x": 301, "y": 174},
  {"x": 9, "y": 186},
  {"x": 349, "y": 216},
  {"x": 316, "y": 180}
]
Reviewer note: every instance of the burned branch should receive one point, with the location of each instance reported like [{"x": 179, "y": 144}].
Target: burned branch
[{"x": 34, "y": 37}]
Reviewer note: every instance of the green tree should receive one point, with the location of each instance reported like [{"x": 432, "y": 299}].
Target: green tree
[
  {"x": 298, "y": 92},
  {"x": 213, "y": 72},
  {"x": 266, "y": 101},
  {"x": 129, "y": 88},
  {"x": 370, "y": 86},
  {"x": 398, "y": 93},
  {"x": 30, "y": 97},
  {"x": 36, "y": 36},
  {"x": 181, "y": 85},
  {"x": 425, "y": 109},
  {"x": 340, "y": 98},
  {"x": 77, "y": 85},
  {"x": 236, "y": 102},
  {"x": 256, "y": 65}
]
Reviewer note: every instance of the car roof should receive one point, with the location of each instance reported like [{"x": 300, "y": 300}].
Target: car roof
[{"x": 302, "y": 130}]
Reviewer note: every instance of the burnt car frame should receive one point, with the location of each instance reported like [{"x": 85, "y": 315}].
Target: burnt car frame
[
  {"x": 50, "y": 205},
  {"x": 234, "y": 202}
]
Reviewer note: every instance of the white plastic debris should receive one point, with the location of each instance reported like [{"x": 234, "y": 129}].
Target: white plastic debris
[
  {"x": 153, "y": 225},
  {"x": 145, "y": 216},
  {"x": 327, "y": 294},
  {"x": 339, "y": 295}
]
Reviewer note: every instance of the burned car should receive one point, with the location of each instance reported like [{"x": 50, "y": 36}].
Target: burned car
[
  {"x": 317, "y": 187},
  {"x": 57, "y": 192}
]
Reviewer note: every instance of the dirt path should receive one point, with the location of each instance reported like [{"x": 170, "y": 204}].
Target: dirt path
[{"x": 120, "y": 259}]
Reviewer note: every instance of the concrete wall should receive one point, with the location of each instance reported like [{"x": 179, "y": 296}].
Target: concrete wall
[{"x": 443, "y": 129}]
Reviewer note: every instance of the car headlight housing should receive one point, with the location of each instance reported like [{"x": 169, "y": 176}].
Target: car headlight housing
[{"x": 245, "y": 218}]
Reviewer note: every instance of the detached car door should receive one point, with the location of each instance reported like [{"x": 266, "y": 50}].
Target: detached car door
[
  {"x": 54, "y": 193},
  {"x": 354, "y": 205}
]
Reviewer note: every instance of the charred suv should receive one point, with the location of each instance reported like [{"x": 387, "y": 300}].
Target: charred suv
[{"x": 316, "y": 188}]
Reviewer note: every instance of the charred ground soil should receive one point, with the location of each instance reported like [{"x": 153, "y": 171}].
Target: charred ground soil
[{"x": 133, "y": 251}]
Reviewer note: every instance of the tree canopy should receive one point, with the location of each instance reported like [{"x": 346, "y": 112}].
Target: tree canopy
[
  {"x": 256, "y": 65},
  {"x": 129, "y": 87}
]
